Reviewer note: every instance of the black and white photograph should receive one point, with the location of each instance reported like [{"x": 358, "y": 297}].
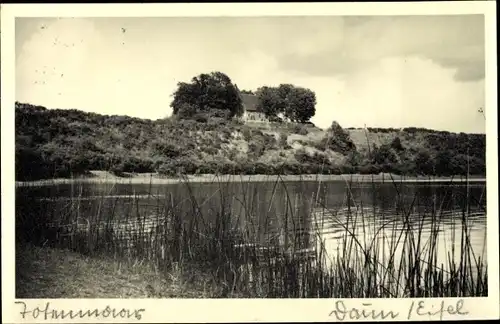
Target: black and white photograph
[{"x": 332, "y": 156}]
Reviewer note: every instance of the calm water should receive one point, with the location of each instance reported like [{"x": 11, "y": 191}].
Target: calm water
[{"x": 304, "y": 215}]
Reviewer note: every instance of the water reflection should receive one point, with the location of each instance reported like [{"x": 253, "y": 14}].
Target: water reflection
[
  {"x": 301, "y": 216},
  {"x": 382, "y": 232}
]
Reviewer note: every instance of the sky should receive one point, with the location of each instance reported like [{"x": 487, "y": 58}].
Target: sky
[{"x": 378, "y": 71}]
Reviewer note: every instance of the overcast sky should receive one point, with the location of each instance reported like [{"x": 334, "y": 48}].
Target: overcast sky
[{"x": 423, "y": 71}]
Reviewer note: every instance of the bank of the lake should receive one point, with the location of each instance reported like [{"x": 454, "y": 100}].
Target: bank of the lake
[{"x": 155, "y": 178}]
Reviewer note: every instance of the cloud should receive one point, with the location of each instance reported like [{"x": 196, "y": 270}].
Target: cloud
[
  {"x": 378, "y": 71},
  {"x": 455, "y": 42},
  {"x": 410, "y": 92}
]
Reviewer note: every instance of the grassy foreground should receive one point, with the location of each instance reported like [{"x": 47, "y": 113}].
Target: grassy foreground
[{"x": 43, "y": 272}]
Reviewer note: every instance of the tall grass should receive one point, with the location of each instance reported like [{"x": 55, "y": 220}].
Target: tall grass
[{"x": 270, "y": 245}]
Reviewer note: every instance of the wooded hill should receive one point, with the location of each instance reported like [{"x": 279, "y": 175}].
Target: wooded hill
[{"x": 54, "y": 143}]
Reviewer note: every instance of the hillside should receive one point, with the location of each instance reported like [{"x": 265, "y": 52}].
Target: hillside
[{"x": 58, "y": 143}]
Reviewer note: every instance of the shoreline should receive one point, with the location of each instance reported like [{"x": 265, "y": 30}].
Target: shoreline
[{"x": 153, "y": 178}]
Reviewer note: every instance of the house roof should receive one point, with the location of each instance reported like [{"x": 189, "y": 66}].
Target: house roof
[{"x": 249, "y": 102}]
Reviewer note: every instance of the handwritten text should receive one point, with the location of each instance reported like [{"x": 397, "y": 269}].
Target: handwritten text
[
  {"x": 48, "y": 313},
  {"x": 432, "y": 309},
  {"x": 420, "y": 308},
  {"x": 342, "y": 312}
]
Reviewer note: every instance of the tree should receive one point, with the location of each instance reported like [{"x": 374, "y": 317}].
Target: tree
[
  {"x": 296, "y": 104},
  {"x": 206, "y": 93},
  {"x": 301, "y": 105},
  {"x": 269, "y": 102}
]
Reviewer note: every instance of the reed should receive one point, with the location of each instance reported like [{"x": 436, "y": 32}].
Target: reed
[{"x": 267, "y": 243}]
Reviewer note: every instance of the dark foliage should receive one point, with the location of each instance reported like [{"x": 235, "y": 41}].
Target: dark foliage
[
  {"x": 205, "y": 93},
  {"x": 338, "y": 140},
  {"x": 64, "y": 143},
  {"x": 295, "y": 104}
]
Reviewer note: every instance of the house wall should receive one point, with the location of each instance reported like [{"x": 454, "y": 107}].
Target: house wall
[{"x": 254, "y": 116}]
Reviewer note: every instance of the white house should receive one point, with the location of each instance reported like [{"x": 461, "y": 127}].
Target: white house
[{"x": 250, "y": 112}]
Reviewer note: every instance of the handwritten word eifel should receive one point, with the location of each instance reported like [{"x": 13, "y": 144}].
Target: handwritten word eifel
[{"x": 431, "y": 309}]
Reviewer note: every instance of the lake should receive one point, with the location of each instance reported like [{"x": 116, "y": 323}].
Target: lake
[{"x": 394, "y": 223}]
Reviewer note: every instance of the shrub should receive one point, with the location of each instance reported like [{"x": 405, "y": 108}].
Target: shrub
[
  {"x": 133, "y": 164},
  {"x": 201, "y": 118},
  {"x": 369, "y": 169},
  {"x": 256, "y": 149},
  {"x": 396, "y": 144},
  {"x": 117, "y": 169},
  {"x": 338, "y": 140},
  {"x": 424, "y": 163},
  {"x": 300, "y": 129},
  {"x": 187, "y": 110},
  {"x": 168, "y": 150},
  {"x": 269, "y": 142},
  {"x": 384, "y": 155},
  {"x": 61, "y": 143}
]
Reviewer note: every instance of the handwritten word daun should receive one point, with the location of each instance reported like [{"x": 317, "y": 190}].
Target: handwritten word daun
[{"x": 341, "y": 312}]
